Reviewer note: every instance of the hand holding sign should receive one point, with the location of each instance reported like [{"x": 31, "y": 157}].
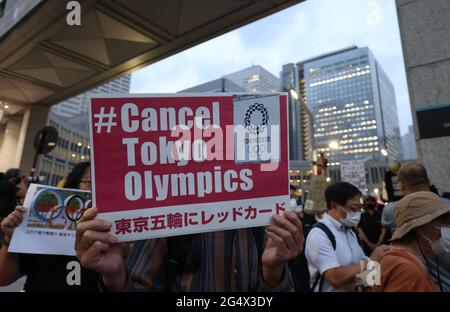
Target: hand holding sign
[
  {"x": 50, "y": 217},
  {"x": 12, "y": 221},
  {"x": 186, "y": 164},
  {"x": 99, "y": 251},
  {"x": 285, "y": 243}
]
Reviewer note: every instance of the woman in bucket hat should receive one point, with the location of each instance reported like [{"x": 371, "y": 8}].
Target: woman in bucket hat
[{"x": 423, "y": 232}]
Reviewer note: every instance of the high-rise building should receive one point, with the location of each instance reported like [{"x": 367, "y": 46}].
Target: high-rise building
[
  {"x": 71, "y": 148},
  {"x": 255, "y": 79},
  {"x": 78, "y": 105},
  {"x": 353, "y": 103},
  {"x": 214, "y": 86},
  {"x": 301, "y": 131},
  {"x": 70, "y": 118},
  {"x": 409, "y": 144}
]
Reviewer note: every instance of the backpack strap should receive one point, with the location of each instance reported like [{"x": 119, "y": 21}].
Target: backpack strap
[
  {"x": 327, "y": 231},
  {"x": 319, "y": 279}
]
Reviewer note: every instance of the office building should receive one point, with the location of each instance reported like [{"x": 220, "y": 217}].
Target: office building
[
  {"x": 214, "y": 86},
  {"x": 78, "y": 105},
  {"x": 71, "y": 148},
  {"x": 409, "y": 144},
  {"x": 301, "y": 122},
  {"x": 255, "y": 79},
  {"x": 70, "y": 118},
  {"x": 353, "y": 104}
]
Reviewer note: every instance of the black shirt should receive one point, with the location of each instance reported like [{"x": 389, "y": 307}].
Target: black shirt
[
  {"x": 371, "y": 226},
  {"x": 47, "y": 273},
  {"x": 8, "y": 199},
  {"x": 307, "y": 222}
]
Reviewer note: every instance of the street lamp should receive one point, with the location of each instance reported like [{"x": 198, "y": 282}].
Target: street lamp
[
  {"x": 294, "y": 94},
  {"x": 334, "y": 145}
]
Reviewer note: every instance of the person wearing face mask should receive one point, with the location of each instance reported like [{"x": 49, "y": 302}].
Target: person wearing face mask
[
  {"x": 293, "y": 197},
  {"x": 334, "y": 255},
  {"x": 423, "y": 232},
  {"x": 307, "y": 219},
  {"x": 413, "y": 177},
  {"x": 370, "y": 230}
]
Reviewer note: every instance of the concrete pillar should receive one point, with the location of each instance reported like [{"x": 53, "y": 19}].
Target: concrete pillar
[
  {"x": 37, "y": 119},
  {"x": 16, "y": 146},
  {"x": 9, "y": 147},
  {"x": 425, "y": 32}
]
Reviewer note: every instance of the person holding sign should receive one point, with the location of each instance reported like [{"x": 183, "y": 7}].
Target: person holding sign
[
  {"x": 46, "y": 272},
  {"x": 216, "y": 261},
  {"x": 184, "y": 177}
]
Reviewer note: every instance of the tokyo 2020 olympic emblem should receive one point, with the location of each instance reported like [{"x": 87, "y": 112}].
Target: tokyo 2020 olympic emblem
[{"x": 252, "y": 127}]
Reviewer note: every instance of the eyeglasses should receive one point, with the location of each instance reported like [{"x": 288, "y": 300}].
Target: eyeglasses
[{"x": 353, "y": 208}]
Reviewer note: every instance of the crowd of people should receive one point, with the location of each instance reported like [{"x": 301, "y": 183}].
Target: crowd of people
[{"x": 408, "y": 237}]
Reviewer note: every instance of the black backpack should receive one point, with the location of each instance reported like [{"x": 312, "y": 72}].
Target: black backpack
[{"x": 299, "y": 265}]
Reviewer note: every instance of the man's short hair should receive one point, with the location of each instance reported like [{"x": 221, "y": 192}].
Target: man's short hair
[
  {"x": 292, "y": 188},
  {"x": 12, "y": 173},
  {"x": 413, "y": 174},
  {"x": 340, "y": 193},
  {"x": 370, "y": 198}
]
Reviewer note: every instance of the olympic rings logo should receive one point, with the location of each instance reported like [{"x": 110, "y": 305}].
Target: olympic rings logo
[
  {"x": 257, "y": 107},
  {"x": 73, "y": 206}
]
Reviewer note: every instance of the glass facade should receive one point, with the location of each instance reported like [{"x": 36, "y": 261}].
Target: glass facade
[
  {"x": 255, "y": 79},
  {"x": 70, "y": 118},
  {"x": 301, "y": 131},
  {"x": 352, "y": 105},
  {"x": 390, "y": 116},
  {"x": 13, "y": 11},
  {"x": 79, "y": 104},
  {"x": 71, "y": 148}
]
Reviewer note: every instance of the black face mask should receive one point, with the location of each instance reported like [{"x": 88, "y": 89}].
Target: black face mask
[{"x": 370, "y": 206}]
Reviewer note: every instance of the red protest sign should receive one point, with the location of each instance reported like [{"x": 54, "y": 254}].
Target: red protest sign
[{"x": 167, "y": 165}]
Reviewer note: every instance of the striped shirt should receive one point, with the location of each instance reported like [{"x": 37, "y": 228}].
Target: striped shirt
[{"x": 227, "y": 261}]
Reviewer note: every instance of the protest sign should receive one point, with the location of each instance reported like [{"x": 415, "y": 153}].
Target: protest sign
[
  {"x": 165, "y": 165},
  {"x": 316, "y": 195},
  {"x": 49, "y": 223},
  {"x": 353, "y": 171}
]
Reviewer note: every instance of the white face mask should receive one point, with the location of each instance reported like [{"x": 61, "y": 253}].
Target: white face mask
[
  {"x": 441, "y": 245},
  {"x": 352, "y": 219}
]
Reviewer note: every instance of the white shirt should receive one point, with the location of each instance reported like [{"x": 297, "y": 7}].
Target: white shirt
[{"x": 321, "y": 256}]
